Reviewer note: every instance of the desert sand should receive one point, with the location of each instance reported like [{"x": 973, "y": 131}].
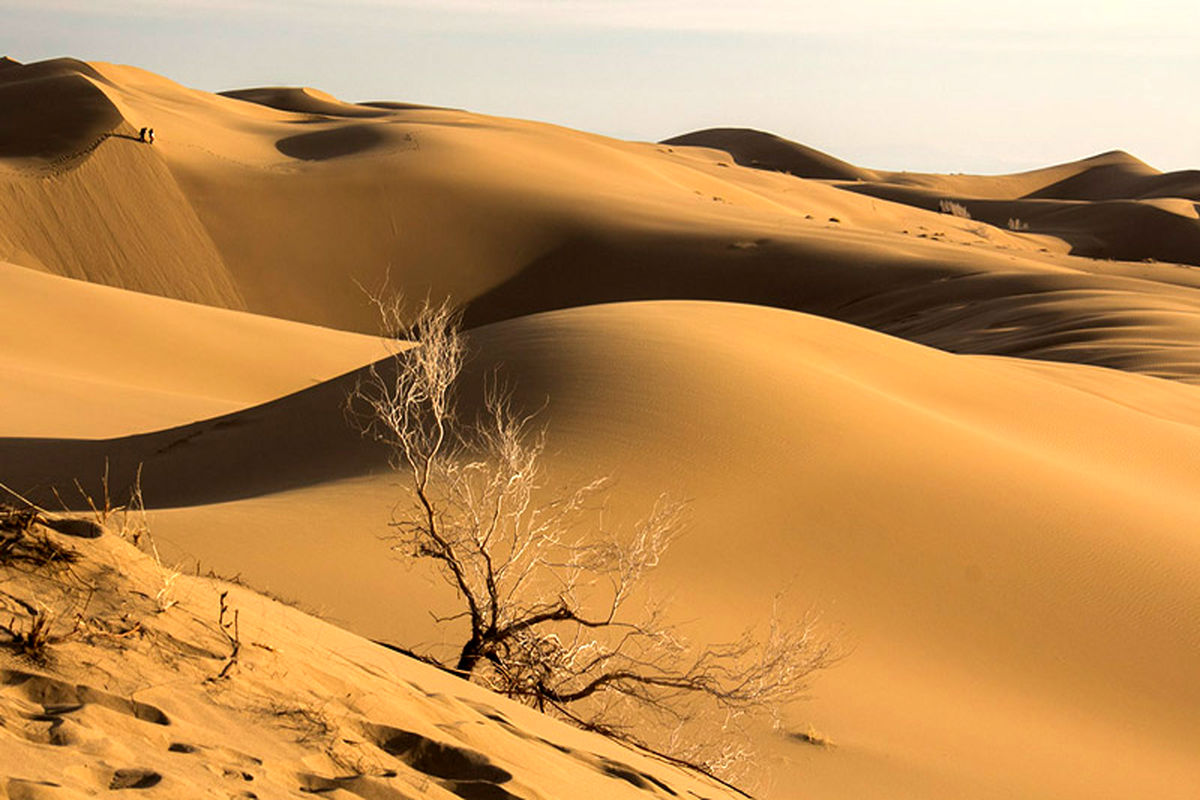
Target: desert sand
[{"x": 974, "y": 448}]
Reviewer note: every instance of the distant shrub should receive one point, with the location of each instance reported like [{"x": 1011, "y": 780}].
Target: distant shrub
[{"x": 953, "y": 209}]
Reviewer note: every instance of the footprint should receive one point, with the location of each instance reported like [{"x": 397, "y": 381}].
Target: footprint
[
  {"x": 642, "y": 780},
  {"x": 611, "y": 768},
  {"x": 478, "y": 790},
  {"x": 22, "y": 789},
  {"x": 58, "y": 697},
  {"x": 236, "y": 756},
  {"x": 484, "y": 710},
  {"x": 364, "y": 786},
  {"x": 436, "y": 758},
  {"x": 495, "y": 716},
  {"x": 74, "y": 526},
  {"x": 232, "y": 769},
  {"x": 133, "y": 778}
]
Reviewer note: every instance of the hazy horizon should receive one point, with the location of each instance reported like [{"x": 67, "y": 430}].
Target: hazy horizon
[{"x": 921, "y": 87}]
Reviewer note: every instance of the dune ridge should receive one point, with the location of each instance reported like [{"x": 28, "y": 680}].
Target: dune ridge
[
  {"x": 1111, "y": 205},
  {"x": 598, "y": 221},
  {"x": 303, "y": 100},
  {"x": 82, "y": 359},
  {"x": 767, "y": 151}
]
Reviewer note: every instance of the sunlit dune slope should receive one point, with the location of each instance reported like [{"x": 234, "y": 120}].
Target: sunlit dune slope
[
  {"x": 1008, "y": 545},
  {"x": 84, "y": 360},
  {"x": 283, "y": 208}
]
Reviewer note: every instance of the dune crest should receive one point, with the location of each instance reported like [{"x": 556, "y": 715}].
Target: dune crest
[
  {"x": 302, "y": 99},
  {"x": 1104, "y": 206},
  {"x": 54, "y": 112},
  {"x": 462, "y": 212},
  {"x": 763, "y": 150}
]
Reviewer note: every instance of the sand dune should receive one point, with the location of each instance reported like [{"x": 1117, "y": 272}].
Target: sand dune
[
  {"x": 302, "y": 100},
  {"x": 90, "y": 361},
  {"x": 1108, "y": 206},
  {"x": 1110, "y": 173},
  {"x": 53, "y": 109},
  {"x": 152, "y": 701},
  {"x": 977, "y": 453},
  {"x": 1158, "y": 229},
  {"x": 463, "y": 212},
  {"x": 1055, "y": 570},
  {"x": 767, "y": 151},
  {"x": 1117, "y": 176}
]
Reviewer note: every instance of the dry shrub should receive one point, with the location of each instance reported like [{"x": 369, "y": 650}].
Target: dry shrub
[
  {"x": 953, "y": 209},
  {"x": 546, "y": 593}
]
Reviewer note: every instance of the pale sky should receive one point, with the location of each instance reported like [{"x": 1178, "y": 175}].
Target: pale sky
[{"x": 938, "y": 85}]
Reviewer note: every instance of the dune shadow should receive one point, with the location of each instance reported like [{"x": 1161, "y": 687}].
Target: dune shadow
[
  {"x": 53, "y": 117},
  {"x": 435, "y": 758},
  {"x": 59, "y": 697},
  {"x": 329, "y": 144}
]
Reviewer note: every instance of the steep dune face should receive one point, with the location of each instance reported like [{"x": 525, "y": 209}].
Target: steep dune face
[
  {"x": 52, "y": 110},
  {"x": 86, "y": 199},
  {"x": 120, "y": 219},
  {"x": 1044, "y": 588}
]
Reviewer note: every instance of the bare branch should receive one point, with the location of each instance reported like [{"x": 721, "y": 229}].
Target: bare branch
[{"x": 546, "y": 586}]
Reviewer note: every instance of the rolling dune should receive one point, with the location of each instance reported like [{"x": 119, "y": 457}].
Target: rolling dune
[
  {"x": 974, "y": 450},
  {"x": 1111, "y": 205},
  {"x": 90, "y": 361},
  {"x": 286, "y": 211},
  {"x": 1056, "y": 570},
  {"x": 768, "y": 151}
]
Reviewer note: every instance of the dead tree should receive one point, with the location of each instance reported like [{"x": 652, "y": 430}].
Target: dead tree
[{"x": 547, "y": 591}]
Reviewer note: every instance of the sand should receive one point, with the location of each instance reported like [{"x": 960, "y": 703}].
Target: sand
[
  {"x": 89, "y": 361},
  {"x": 973, "y": 449},
  {"x": 163, "y": 692}
]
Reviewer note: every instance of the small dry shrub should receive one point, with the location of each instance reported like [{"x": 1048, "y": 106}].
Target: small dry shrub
[
  {"x": 953, "y": 209},
  {"x": 33, "y": 638}
]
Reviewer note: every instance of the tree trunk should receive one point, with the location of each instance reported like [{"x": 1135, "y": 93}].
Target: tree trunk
[{"x": 468, "y": 659}]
